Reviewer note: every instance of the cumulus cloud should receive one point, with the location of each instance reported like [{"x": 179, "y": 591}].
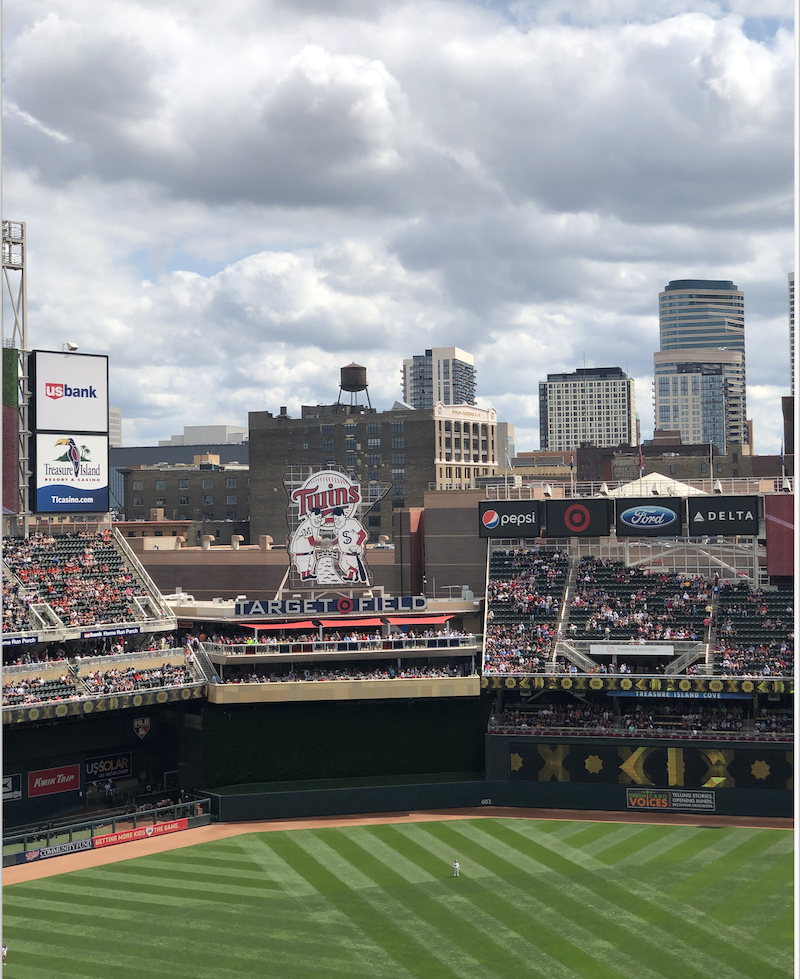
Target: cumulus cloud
[{"x": 241, "y": 200}]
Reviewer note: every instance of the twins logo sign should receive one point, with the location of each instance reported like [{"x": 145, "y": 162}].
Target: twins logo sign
[
  {"x": 509, "y": 518},
  {"x": 573, "y": 518},
  {"x": 328, "y": 542}
]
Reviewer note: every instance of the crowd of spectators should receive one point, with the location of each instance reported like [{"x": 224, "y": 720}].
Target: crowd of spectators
[
  {"x": 100, "y": 683},
  {"x": 518, "y": 648},
  {"x": 660, "y": 720},
  {"x": 81, "y": 577},
  {"x": 336, "y": 672},
  {"x": 754, "y": 661},
  {"x": 649, "y": 606},
  {"x": 30, "y": 691},
  {"x": 271, "y": 639}
]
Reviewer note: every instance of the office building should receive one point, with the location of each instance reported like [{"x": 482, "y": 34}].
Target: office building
[
  {"x": 114, "y": 427},
  {"x": 396, "y": 456},
  {"x": 701, "y": 398},
  {"x": 208, "y": 435},
  {"x": 701, "y": 335},
  {"x": 445, "y": 374},
  {"x": 595, "y": 405},
  {"x": 791, "y": 330}
]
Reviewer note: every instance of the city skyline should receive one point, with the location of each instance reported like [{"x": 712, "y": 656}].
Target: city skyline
[{"x": 231, "y": 236}]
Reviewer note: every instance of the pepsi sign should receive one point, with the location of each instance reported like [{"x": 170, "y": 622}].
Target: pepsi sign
[
  {"x": 578, "y": 518},
  {"x": 508, "y": 518},
  {"x": 649, "y": 518}
]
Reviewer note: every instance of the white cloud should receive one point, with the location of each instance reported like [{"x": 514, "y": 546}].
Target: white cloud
[{"x": 257, "y": 194}]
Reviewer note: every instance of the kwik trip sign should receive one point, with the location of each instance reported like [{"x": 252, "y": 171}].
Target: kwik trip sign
[
  {"x": 645, "y": 518},
  {"x": 509, "y": 518}
]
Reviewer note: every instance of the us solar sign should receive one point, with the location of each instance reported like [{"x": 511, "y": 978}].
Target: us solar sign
[
  {"x": 508, "y": 518},
  {"x": 723, "y": 515}
]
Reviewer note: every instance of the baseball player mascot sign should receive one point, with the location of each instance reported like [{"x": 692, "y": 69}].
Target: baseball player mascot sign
[{"x": 328, "y": 544}]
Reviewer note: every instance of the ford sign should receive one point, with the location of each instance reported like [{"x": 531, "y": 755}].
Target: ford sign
[{"x": 648, "y": 516}]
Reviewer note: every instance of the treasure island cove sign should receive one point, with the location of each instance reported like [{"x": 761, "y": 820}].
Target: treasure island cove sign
[{"x": 327, "y": 547}]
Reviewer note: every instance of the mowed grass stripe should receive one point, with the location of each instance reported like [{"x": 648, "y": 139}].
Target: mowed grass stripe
[
  {"x": 507, "y": 910},
  {"x": 635, "y": 843},
  {"x": 666, "y": 842},
  {"x": 389, "y": 895},
  {"x": 441, "y": 907},
  {"x": 266, "y": 858},
  {"x": 189, "y": 881},
  {"x": 692, "y": 887},
  {"x": 457, "y": 895},
  {"x": 753, "y": 893},
  {"x": 582, "y": 834},
  {"x": 410, "y": 956},
  {"x": 579, "y": 909},
  {"x": 660, "y": 908},
  {"x": 698, "y": 848},
  {"x": 376, "y": 845},
  {"x": 604, "y": 893},
  {"x": 195, "y": 870},
  {"x": 250, "y": 945},
  {"x": 620, "y": 834}
]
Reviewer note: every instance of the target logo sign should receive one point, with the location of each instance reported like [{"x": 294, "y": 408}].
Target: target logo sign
[
  {"x": 577, "y": 518},
  {"x": 570, "y": 518}
]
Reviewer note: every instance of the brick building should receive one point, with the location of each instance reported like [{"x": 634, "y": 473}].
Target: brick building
[{"x": 396, "y": 456}]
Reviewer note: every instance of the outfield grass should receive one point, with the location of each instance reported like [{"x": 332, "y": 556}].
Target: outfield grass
[{"x": 541, "y": 899}]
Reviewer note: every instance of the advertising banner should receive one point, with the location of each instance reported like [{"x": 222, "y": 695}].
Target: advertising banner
[
  {"x": 631, "y": 649},
  {"x": 684, "y": 801},
  {"x": 127, "y": 630},
  {"x": 57, "y": 850},
  {"x": 50, "y": 781},
  {"x": 678, "y": 765},
  {"x": 572, "y": 518},
  {"x": 70, "y": 391},
  {"x": 646, "y": 518},
  {"x": 12, "y": 787},
  {"x": 686, "y": 686},
  {"x": 112, "y": 765},
  {"x": 20, "y": 640},
  {"x": 509, "y": 518},
  {"x": 71, "y": 473},
  {"x": 779, "y": 514},
  {"x": 141, "y": 833},
  {"x": 723, "y": 515}
]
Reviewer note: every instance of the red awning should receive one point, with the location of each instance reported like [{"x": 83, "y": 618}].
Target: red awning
[
  {"x": 274, "y": 626},
  {"x": 355, "y": 623},
  {"x": 421, "y": 620}
]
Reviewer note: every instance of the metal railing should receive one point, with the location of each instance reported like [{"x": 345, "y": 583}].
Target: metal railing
[
  {"x": 418, "y": 644},
  {"x": 600, "y": 731}
]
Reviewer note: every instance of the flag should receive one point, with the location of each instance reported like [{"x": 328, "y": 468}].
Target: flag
[
  {"x": 641, "y": 462},
  {"x": 571, "y": 462}
]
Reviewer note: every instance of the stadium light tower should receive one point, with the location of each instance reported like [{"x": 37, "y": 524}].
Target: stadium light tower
[{"x": 15, "y": 296}]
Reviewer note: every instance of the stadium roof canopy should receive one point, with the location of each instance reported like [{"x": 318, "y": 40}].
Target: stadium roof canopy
[{"x": 654, "y": 484}]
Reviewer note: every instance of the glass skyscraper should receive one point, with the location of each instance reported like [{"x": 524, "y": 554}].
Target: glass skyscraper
[{"x": 700, "y": 382}]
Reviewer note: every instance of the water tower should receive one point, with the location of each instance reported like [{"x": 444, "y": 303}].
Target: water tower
[{"x": 353, "y": 379}]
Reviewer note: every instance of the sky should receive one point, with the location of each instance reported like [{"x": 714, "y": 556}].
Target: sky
[{"x": 235, "y": 200}]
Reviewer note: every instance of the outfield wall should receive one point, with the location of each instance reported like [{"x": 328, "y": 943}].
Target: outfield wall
[{"x": 746, "y": 778}]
